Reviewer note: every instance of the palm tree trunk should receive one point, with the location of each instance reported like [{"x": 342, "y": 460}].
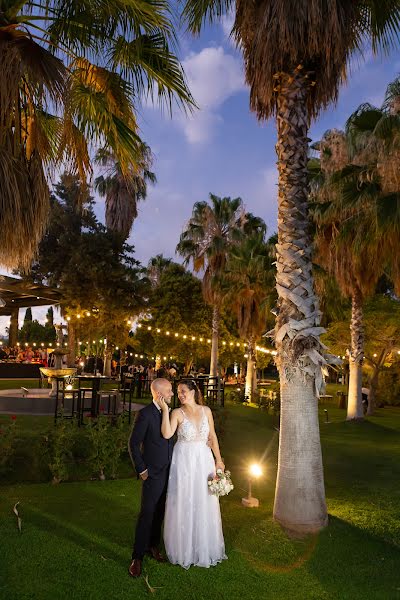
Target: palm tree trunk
[
  {"x": 373, "y": 384},
  {"x": 356, "y": 357},
  {"x": 251, "y": 363},
  {"x": 300, "y": 494},
  {"x": 214, "y": 342}
]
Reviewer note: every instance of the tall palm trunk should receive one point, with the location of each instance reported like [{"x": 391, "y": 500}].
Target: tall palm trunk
[
  {"x": 354, "y": 404},
  {"x": 374, "y": 379},
  {"x": 251, "y": 363},
  {"x": 373, "y": 385},
  {"x": 214, "y": 341},
  {"x": 300, "y": 495}
]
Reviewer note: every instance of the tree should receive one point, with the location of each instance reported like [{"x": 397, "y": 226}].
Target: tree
[
  {"x": 295, "y": 58},
  {"x": 57, "y": 104},
  {"x": 28, "y": 315},
  {"x": 50, "y": 316},
  {"x": 357, "y": 215},
  {"x": 382, "y": 333},
  {"x": 211, "y": 232},
  {"x": 155, "y": 267},
  {"x": 355, "y": 265},
  {"x": 123, "y": 189},
  {"x": 32, "y": 332},
  {"x": 246, "y": 285},
  {"x": 100, "y": 281},
  {"x": 176, "y": 305}
]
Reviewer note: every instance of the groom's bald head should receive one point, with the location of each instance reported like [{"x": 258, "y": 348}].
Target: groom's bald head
[{"x": 163, "y": 387}]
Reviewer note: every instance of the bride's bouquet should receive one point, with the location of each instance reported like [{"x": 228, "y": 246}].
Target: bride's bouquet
[{"x": 221, "y": 484}]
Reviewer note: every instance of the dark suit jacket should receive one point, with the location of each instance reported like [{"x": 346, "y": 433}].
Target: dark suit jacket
[{"x": 148, "y": 449}]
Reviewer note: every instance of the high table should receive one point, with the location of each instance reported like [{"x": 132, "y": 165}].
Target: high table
[{"x": 96, "y": 380}]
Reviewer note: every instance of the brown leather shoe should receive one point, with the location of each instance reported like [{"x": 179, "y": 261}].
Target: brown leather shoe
[
  {"x": 156, "y": 554},
  {"x": 135, "y": 569}
]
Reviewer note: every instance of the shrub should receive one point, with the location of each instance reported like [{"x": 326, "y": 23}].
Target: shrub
[
  {"x": 7, "y": 443},
  {"x": 108, "y": 441},
  {"x": 59, "y": 442},
  {"x": 388, "y": 391},
  {"x": 235, "y": 395}
]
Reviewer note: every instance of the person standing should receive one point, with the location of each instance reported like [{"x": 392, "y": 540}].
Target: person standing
[
  {"x": 192, "y": 528},
  {"x": 151, "y": 454}
]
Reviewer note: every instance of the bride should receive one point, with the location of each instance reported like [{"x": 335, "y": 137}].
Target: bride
[{"x": 192, "y": 524}]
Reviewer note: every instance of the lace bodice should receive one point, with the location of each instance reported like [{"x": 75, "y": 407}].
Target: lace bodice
[{"x": 189, "y": 432}]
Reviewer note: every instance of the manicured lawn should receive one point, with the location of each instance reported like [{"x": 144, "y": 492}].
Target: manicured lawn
[{"x": 76, "y": 537}]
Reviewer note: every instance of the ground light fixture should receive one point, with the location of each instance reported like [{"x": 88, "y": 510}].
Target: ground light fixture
[{"x": 254, "y": 472}]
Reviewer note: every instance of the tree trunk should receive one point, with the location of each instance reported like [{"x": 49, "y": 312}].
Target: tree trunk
[
  {"x": 214, "y": 342},
  {"x": 188, "y": 365},
  {"x": 251, "y": 363},
  {"x": 71, "y": 358},
  {"x": 373, "y": 384},
  {"x": 13, "y": 330},
  {"x": 107, "y": 357},
  {"x": 356, "y": 357},
  {"x": 300, "y": 494}
]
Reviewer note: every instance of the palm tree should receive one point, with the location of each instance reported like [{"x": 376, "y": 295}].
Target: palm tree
[
  {"x": 123, "y": 190},
  {"x": 211, "y": 232},
  {"x": 358, "y": 219},
  {"x": 72, "y": 74},
  {"x": 246, "y": 285},
  {"x": 156, "y": 266},
  {"x": 296, "y": 56}
]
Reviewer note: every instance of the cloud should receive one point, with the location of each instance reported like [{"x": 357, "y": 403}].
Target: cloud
[
  {"x": 213, "y": 76},
  {"x": 265, "y": 196},
  {"x": 227, "y": 22}
]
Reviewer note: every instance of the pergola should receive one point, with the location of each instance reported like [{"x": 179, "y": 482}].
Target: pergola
[{"x": 19, "y": 293}]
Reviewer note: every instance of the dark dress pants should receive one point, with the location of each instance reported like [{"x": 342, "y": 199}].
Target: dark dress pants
[{"x": 148, "y": 528}]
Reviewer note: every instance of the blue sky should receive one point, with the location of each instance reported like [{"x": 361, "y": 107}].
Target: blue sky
[{"x": 222, "y": 148}]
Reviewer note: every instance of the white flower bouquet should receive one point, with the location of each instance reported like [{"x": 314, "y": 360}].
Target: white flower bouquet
[{"x": 221, "y": 484}]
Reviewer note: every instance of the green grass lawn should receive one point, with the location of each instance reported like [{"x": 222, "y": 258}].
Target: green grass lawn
[{"x": 76, "y": 537}]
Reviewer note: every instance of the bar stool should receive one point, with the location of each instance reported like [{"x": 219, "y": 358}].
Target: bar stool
[
  {"x": 112, "y": 397},
  {"x": 86, "y": 407}
]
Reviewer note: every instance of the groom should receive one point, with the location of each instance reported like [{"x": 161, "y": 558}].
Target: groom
[{"x": 151, "y": 454}]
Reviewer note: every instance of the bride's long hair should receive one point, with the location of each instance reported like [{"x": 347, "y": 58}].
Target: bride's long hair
[{"x": 192, "y": 385}]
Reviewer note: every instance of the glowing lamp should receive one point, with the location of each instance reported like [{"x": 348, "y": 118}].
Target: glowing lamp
[{"x": 254, "y": 472}]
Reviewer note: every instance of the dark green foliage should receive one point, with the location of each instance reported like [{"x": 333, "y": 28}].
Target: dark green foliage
[
  {"x": 389, "y": 386},
  {"x": 33, "y": 331},
  {"x": 28, "y": 315},
  {"x": 92, "y": 267},
  {"x": 7, "y": 444}
]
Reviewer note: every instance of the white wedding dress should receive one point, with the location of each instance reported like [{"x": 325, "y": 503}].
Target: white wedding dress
[{"x": 192, "y": 524}]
